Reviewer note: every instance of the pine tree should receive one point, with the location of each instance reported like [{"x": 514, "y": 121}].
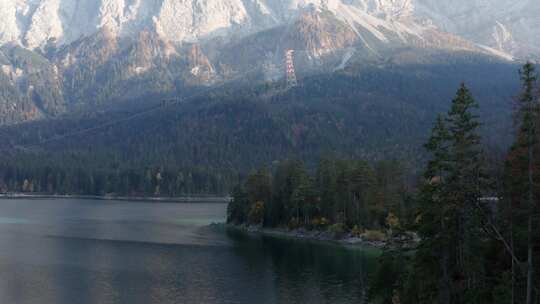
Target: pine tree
[
  {"x": 429, "y": 281},
  {"x": 237, "y": 209},
  {"x": 522, "y": 177},
  {"x": 326, "y": 180},
  {"x": 465, "y": 184},
  {"x": 259, "y": 186},
  {"x": 362, "y": 180},
  {"x": 449, "y": 255},
  {"x": 529, "y": 105}
]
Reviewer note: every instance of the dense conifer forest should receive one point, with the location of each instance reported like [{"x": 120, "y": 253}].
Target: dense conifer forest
[
  {"x": 478, "y": 222},
  {"x": 344, "y": 193},
  {"x": 206, "y": 144},
  {"x": 341, "y": 154}
]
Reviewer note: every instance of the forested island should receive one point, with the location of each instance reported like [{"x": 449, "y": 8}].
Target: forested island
[
  {"x": 477, "y": 221},
  {"x": 341, "y": 196}
]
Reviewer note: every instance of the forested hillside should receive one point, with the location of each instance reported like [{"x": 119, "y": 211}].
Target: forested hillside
[
  {"x": 479, "y": 236},
  {"x": 204, "y": 144}
]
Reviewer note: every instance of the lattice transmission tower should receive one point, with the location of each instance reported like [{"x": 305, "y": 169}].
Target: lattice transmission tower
[{"x": 290, "y": 75}]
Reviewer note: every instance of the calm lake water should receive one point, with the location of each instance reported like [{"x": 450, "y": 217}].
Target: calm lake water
[{"x": 84, "y": 251}]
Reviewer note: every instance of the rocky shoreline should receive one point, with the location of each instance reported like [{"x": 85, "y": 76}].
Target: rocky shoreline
[{"x": 407, "y": 240}]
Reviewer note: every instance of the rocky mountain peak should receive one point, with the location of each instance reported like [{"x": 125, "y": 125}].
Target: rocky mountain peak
[
  {"x": 320, "y": 32},
  {"x": 94, "y": 49},
  {"x": 149, "y": 45},
  {"x": 509, "y": 26},
  {"x": 58, "y": 53}
]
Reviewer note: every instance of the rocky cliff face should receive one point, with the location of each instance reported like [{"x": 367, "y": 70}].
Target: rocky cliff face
[
  {"x": 60, "y": 54},
  {"x": 103, "y": 67},
  {"x": 509, "y": 26},
  {"x": 320, "y": 33}
]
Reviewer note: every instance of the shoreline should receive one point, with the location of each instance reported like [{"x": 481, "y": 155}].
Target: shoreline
[
  {"x": 312, "y": 235},
  {"x": 182, "y": 199}
]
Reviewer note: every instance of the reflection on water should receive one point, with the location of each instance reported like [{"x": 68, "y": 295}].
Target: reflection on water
[
  {"x": 75, "y": 251},
  {"x": 305, "y": 272}
]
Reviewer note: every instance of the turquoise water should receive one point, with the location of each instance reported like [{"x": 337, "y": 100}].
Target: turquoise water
[{"x": 84, "y": 251}]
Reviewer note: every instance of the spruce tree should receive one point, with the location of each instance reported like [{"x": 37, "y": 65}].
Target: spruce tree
[
  {"x": 326, "y": 181},
  {"x": 465, "y": 185},
  {"x": 522, "y": 178},
  {"x": 237, "y": 208},
  {"x": 448, "y": 260},
  {"x": 430, "y": 279},
  {"x": 529, "y": 106}
]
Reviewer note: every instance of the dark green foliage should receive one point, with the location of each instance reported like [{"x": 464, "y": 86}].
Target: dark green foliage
[
  {"x": 259, "y": 186},
  {"x": 345, "y": 193},
  {"x": 72, "y": 173},
  {"x": 471, "y": 251},
  {"x": 238, "y": 208},
  {"x": 386, "y": 282},
  {"x": 521, "y": 203},
  {"x": 230, "y": 131},
  {"x": 449, "y": 264}
]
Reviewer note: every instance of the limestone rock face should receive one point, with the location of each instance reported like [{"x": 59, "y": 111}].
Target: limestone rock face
[
  {"x": 56, "y": 55},
  {"x": 509, "y": 26}
]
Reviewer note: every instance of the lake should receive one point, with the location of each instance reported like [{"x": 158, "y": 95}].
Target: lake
[{"x": 91, "y": 251}]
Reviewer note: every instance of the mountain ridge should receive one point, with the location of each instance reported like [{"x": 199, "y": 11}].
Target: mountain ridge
[
  {"x": 37, "y": 23},
  {"x": 129, "y": 51}
]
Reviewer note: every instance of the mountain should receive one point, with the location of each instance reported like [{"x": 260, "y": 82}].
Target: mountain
[
  {"x": 205, "y": 143},
  {"x": 61, "y": 56},
  {"x": 94, "y": 81},
  {"x": 31, "y": 86},
  {"x": 509, "y": 26}
]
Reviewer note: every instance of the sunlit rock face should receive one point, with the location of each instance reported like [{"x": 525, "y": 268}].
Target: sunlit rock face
[
  {"x": 58, "y": 54},
  {"x": 509, "y": 26}
]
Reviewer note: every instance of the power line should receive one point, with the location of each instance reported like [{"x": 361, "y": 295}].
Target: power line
[
  {"x": 163, "y": 104},
  {"x": 87, "y": 130}
]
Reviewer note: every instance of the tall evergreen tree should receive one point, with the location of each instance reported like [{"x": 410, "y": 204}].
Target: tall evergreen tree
[
  {"x": 447, "y": 268},
  {"x": 238, "y": 207},
  {"x": 465, "y": 185},
  {"x": 326, "y": 181},
  {"x": 430, "y": 281},
  {"x": 522, "y": 177},
  {"x": 529, "y": 105}
]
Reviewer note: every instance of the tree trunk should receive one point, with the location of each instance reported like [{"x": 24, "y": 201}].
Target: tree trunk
[
  {"x": 445, "y": 293},
  {"x": 513, "y": 278},
  {"x": 530, "y": 262},
  {"x": 531, "y": 209}
]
